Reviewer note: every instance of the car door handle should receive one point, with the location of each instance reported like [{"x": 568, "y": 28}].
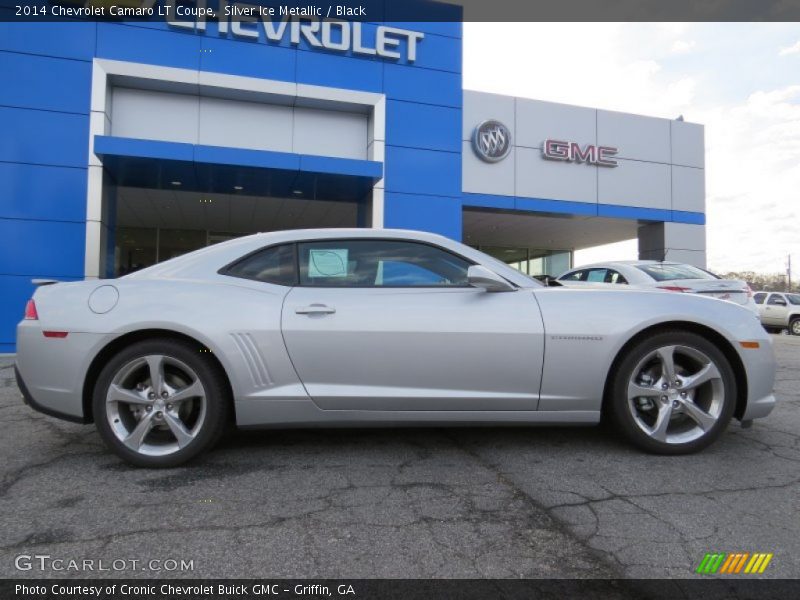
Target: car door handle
[{"x": 315, "y": 309}]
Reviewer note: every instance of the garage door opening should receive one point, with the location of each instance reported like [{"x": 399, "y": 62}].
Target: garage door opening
[
  {"x": 540, "y": 244},
  {"x": 154, "y": 225}
]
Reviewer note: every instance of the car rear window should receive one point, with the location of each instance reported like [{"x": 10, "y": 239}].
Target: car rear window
[
  {"x": 671, "y": 272},
  {"x": 275, "y": 264}
]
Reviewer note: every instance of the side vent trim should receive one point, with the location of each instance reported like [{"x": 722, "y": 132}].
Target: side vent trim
[{"x": 256, "y": 365}]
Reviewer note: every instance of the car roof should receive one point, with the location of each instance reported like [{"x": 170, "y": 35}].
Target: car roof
[
  {"x": 208, "y": 260},
  {"x": 626, "y": 263}
]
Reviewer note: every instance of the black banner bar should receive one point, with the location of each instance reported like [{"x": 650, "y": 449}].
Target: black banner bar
[
  {"x": 734, "y": 588},
  {"x": 406, "y": 10}
]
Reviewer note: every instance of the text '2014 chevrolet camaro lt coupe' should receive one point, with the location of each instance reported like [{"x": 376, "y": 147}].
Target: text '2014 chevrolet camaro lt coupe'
[{"x": 361, "y": 327}]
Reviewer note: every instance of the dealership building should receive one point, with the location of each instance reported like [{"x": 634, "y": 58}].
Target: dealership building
[{"x": 125, "y": 144}]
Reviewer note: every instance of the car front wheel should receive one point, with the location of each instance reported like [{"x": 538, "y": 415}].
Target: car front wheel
[
  {"x": 794, "y": 326},
  {"x": 673, "y": 393},
  {"x": 159, "y": 403}
]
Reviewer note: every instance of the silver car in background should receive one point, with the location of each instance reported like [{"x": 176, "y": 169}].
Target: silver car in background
[
  {"x": 663, "y": 275},
  {"x": 319, "y": 328},
  {"x": 779, "y": 311}
]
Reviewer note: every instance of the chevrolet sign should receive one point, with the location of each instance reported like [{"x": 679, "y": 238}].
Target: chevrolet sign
[{"x": 249, "y": 21}]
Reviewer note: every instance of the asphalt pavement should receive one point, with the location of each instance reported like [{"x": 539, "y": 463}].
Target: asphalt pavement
[{"x": 452, "y": 503}]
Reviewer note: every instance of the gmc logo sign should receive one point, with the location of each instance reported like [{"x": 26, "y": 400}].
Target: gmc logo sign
[{"x": 572, "y": 152}]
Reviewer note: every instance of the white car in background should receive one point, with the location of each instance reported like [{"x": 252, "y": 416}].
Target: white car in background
[
  {"x": 779, "y": 311},
  {"x": 670, "y": 276}
]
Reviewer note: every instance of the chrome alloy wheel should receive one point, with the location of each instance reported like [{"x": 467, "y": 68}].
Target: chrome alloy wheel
[
  {"x": 156, "y": 405},
  {"x": 795, "y": 327},
  {"x": 676, "y": 394}
]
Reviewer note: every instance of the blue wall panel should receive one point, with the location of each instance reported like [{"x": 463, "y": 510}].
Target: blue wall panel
[
  {"x": 422, "y": 85},
  {"x": 250, "y": 59},
  {"x": 43, "y": 137},
  {"x": 423, "y": 126},
  {"x": 29, "y": 81},
  {"x": 324, "y": 68},
  {"x": 68, "y": 40},
  {"x": 414, "y": 171},
  {"x": 41, "y": 248},
  {"x": 42, "y": 192},
  {"x": 15, "y": 291},
  {"x": 426, "y": 213},
  {"x": 437, "y": 52},
  {"x": 152, "y": 46}
]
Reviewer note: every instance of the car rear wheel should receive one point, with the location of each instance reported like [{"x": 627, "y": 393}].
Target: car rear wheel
[
  {"x": 794, "y": 326},
  {"x": 159, "y": 403},
  {"x": 673, "y": 393}
]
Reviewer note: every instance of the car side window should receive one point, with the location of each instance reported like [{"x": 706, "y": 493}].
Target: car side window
[
  {"x": 613, "y": 276},
  {"x": 275, "y": 264},
  {"x": 575, "y": 276},
  {"x": 776, "y": 300},
  {"x": 759, "y": 297},
  {"x": 379, "y": 263},
  {"x": 597, "y": 275}
]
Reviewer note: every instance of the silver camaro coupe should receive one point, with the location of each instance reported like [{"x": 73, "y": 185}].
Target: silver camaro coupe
[{"x": 360, "y": 327}]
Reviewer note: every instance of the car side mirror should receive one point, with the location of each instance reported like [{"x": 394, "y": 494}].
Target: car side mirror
[{"x": 480, "y": 277}]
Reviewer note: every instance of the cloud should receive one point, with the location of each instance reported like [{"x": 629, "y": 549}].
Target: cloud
[
  {"x": 793, "y": 49},
  {"x": 752, "y": 129},
  {"x": 683, "y": 46}
]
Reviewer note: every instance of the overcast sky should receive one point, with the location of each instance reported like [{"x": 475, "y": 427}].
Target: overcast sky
[{"x": 741, "y": 80}]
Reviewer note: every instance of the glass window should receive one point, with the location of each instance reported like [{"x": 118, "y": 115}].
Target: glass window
[
  {"x": 613, "y": 276},
  {"x": 794, "y": 299},
  {"x": 379, "y": 263},
  {"x": 136, "y": 249},
  {"x": 575, "y": 276},
  {"x": 272, "y": 265},
  {"x": 671, "y": 272},
  {"x": 597, "y": 275},
  {"x": 174, "y": 242},
  {"x": 776, "y": 299},
  {"x": 759, "y": 298}
]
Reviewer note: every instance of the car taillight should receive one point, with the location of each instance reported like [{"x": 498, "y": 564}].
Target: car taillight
[
  {"x": 674, "y": 288},
  {"x": 30, "y": 311}
]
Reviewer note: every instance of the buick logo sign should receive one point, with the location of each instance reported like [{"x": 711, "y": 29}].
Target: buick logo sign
[{"x": 491, "y": 141}]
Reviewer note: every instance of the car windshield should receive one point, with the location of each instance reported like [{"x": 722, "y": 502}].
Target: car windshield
[
  {"x": 794, "y": 298},
  {"x": 670, "y": 272}
]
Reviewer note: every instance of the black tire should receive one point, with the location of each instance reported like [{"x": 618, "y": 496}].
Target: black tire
[
  {"x": 618, "y": 408},
  {"x": 208, "y": 372},
  {"x": 794, "y": 326}
]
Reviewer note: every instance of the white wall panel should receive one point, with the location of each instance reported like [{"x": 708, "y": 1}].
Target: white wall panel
[
  {"x": 330, "y": 133},
  {"x": 250, "y": 125},
  {"x": 637, "y": 137},
  {"x": 553, "y": 180},
  {"x": 150, "y": 115},
  {"x": 635, "y": 183},
  {"x": 688, "y": 189},
  {"x": 688, "y": 144},
  {"x": 538, "y": 121},
  {"x": 232, "y": 123}
]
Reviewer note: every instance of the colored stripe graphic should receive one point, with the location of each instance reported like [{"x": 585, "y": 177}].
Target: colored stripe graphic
[{"x": 733, "y": 563}]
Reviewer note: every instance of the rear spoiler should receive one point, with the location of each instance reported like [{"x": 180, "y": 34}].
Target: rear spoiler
[{"x": 41, "y": 282}]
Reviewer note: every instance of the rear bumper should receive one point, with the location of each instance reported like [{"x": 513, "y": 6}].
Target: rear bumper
[
  {"x": 31, "y": 401},
  {"x": 51, "y": 371}
]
